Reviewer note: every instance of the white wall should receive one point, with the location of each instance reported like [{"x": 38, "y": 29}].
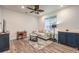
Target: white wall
[
  {"x": 42, "y": 18},
  {"x": 0, "y": 20},
  {"x": 18, "y": 22},
  {"x": 41, "y": 23},
  {"x": 69, "y": 19}
]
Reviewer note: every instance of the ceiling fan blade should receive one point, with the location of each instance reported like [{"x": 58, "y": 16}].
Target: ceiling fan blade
[
  {"x": 30, "y": 8},
  {"x": 31, "y": 11},
  {"x": 41, "y": 10}
]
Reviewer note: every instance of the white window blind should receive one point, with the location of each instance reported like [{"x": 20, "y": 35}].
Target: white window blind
[{"x": 49, "y": 22}]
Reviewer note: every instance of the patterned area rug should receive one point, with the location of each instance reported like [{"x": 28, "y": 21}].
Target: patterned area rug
[{"x": 40, "y": 44}]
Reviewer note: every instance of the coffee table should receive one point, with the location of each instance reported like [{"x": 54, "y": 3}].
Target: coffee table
[
  {"x": 35, "y": 37},
  {"x": 38, "y": 41}
]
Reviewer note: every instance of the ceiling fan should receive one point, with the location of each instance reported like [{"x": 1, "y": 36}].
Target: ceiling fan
[{"x": 36, "y": 9}]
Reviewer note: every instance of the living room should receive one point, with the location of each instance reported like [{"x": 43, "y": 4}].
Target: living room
[{"x": 23, "y": 19}]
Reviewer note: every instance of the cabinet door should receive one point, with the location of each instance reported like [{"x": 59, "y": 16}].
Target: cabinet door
[
  {"x": 6, "y": 37},
  {"x": 61, "y": 37},
  {"x": 77, "y": 40},
  {"x": 71, "y": 39},
  {"x": 4, "y": 42}
]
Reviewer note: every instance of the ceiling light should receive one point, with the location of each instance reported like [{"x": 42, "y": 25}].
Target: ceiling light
[
  {"x": 61, "y": 5},
  {"x": 22, "y": 7}
]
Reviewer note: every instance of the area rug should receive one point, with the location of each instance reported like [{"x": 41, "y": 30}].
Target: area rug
[{"x": 40, "y": 44}]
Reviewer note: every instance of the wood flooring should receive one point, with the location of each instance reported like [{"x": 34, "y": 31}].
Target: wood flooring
[{"x": 23, "y": 46}]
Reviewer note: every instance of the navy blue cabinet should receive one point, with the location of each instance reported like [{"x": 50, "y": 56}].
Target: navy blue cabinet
[
  {"x": 61, "y": 38},
  {"x": 68, "y": 38},
  {"x": 4, "y": 42}
]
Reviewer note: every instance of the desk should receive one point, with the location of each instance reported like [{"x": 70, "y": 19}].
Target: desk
[{"x": 21, "y": 35}]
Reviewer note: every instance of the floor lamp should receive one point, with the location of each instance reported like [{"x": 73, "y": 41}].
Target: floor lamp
[{"x": 54, "y": 39}]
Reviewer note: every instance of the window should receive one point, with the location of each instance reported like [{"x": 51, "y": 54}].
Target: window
[{"x": 49, "y": 22}]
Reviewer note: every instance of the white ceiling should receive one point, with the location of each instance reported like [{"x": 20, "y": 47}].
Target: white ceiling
[{"x": 46, "y": 8}]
